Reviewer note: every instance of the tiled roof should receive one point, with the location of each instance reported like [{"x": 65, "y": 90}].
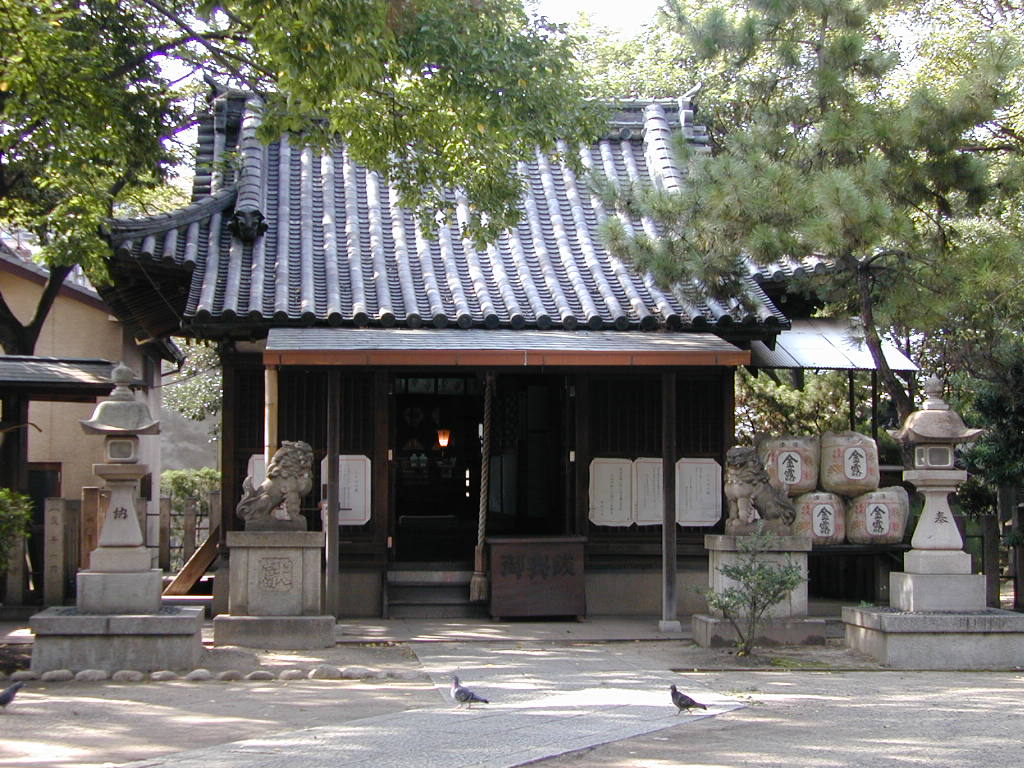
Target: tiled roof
[{"x": 309, "y": 238}]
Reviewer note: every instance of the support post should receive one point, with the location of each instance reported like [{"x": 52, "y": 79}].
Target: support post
[
  {"x": 331, "y": 537},
  {"x": 669, "y": 618},
  {"x": 269, "y": 412},
  {"x": 851, "y": 401}
]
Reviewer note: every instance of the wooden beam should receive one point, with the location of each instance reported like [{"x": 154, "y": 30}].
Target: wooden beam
[
  {"x": 196, "y": 566},
  {"x": 669, "y": 611},
  {"x": 490, "y": 358}
]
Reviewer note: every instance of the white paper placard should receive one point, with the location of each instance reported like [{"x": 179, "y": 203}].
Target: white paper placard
[
  {"x": 647, "y": 492},
  {"x": 353, "y": 488},
  {"x": 611, "y": 492},
  {"x": 256, "y": 469},
  {"x": 698, "y": 492}
]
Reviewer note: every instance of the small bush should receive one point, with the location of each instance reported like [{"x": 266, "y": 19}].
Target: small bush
[{"x": 15, "y": 519}]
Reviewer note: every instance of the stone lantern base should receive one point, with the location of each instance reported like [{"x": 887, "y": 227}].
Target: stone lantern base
[
  {"x": 984, "y": 639},
  {"x": 70, "y": 638}
]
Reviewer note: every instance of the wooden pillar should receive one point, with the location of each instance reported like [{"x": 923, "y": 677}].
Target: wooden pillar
[
  {"x": 669, "y": 618},
  {"x": 269, "y": 412},
  {"x": 53, "y": 552},
  {"x": 582, "y": 457},
  {"x": 331, "y": 537},
  {"x": 850, "y": 398},
  {"x": 163, "y": 557}
]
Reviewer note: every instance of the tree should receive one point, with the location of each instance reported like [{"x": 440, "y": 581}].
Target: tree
[
  {"x": 197, "y": 391},
  {"x": 823, "y": 149},
  {"x": 434, "y": 94}
]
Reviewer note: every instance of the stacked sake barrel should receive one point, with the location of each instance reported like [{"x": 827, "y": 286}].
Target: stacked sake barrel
[{"x": 834, "y": 484}]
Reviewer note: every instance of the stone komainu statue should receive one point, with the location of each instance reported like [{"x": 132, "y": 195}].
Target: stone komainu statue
[
  {"x": 278, "y": 497},
  {"x": 750, "y": 494}
]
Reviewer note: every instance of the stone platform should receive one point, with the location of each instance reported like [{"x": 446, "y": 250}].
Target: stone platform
[
  {"x": 983, "y": 639},
  {"x": 274, "y": 632},
  {"x": 717, "y": 632},
  {"x": 68, "y": 638}
]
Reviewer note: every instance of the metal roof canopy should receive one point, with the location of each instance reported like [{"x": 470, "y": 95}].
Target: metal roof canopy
[
  {"x": 825, "y": 344},
  {"x": 56, "y": 379},
  {"x": 479, "y": 347}
]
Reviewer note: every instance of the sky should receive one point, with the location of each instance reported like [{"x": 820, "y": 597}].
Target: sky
[{"x": 625, "y": 15}]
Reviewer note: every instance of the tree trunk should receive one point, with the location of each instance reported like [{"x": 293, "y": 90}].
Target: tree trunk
[
  {"x": 18, "y": 338},
  {"x": 891, "y": 382}
]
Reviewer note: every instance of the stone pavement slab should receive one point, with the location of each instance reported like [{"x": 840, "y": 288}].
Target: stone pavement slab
[{"x": 546, "y": 700}]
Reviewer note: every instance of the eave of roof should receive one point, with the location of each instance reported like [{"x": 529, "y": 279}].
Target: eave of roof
[
  {"x": 52, "y": 378},
  {"x": 826, "y": 344},
  {"x": 502, "y": 347}
]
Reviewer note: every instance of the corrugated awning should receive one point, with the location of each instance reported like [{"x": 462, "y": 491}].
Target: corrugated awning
[
  {"x": 477, "y": 347},
  {"x": 825, "y": 345},
  {"x": 50, "y": 378}
]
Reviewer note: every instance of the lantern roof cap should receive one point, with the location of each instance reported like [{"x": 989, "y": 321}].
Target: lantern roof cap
[
  {"x": 936, "y": 422},
  {"x": 121, "y": 413}
]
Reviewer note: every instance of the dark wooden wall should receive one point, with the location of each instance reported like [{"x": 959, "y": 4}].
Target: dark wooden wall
[
  {"x": 609, "y": 414},
  {"x": 621, "y": 418}
]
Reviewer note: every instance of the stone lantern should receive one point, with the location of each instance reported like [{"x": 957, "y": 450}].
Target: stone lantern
[
  {"x": 933, "y": 433},
  {"x": 121, "y": 419},
  {"x": 937, "y": 617},
  {"x": 119, "y": 622}
]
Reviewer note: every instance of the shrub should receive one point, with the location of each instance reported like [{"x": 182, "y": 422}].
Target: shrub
[{"x": 15, "y": 519}]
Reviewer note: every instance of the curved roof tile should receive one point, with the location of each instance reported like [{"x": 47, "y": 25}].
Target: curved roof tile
[{"x": 335, "y": 249}]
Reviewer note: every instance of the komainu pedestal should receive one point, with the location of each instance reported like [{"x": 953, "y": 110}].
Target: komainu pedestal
[{"x": 275, "y": 592}]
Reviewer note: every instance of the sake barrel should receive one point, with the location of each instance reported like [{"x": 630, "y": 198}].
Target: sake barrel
[
  {"x": 822, "y": 516},
  {"x": 878, "y": 517},
  {"x": 849, "y": 463},
  {"x": 791, "y": 463}
]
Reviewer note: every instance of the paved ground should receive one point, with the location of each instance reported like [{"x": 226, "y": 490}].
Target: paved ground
[{"x": 593, "y": 699}]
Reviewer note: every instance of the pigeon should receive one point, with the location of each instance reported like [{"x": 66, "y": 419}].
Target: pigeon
[
  {"x": 7, "y": 695},
  {"x": 682, "y": 701},
  {"x": 463, "y": 695}
]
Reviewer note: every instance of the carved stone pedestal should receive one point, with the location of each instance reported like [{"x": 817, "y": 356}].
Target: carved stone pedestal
[
  {"x": 275, "y": 592},
  {"x": 788, "y": 622}
]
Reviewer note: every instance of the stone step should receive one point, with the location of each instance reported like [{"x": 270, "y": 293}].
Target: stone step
[
  {"x": 427, "y": 593},
  {"x": 200, "y": 601},
  {"x": 422, "y": 576}
]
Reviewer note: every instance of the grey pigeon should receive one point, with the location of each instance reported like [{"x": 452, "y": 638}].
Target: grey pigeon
[
  {"x": 682, "y": 701},
  {"x": 7, "y": 695},
  {"x": 463, "y": 695}
]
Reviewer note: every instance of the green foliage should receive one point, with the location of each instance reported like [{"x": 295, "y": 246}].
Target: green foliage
[
  {"x": 196, "y": 391},
  {"x": 824, "y": 147},
  {"x": 185, "y": 484},
  {"x": 15, "y": 519},
  {"x": 998, "y": 405},
  {"x": 765, "y": 406},
  {"x": 433, "y": 94},
  {"x": 759, "y": 586}
]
